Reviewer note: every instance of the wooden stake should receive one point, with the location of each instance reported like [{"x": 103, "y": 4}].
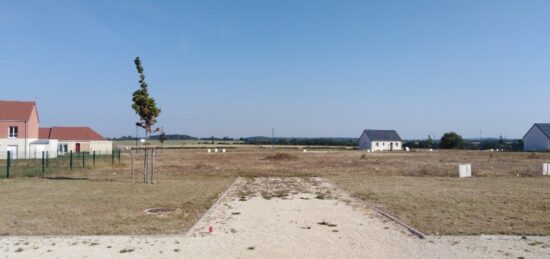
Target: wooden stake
[
  {"x": 153, "y": 166},
  {"x": 132, "y": 163},
  {"x": 145, "y": 167}
]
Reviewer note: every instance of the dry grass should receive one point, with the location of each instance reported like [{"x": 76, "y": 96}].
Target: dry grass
[
  {"x": 84, "y": 204},
  {"x": 505, "y": 196},
  {"x": 441, "y": 205},
  {"x": 326, "y": 163}
]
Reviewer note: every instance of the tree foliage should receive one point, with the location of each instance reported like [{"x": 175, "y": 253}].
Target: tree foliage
[
  {"x": 144, "y": 105},
  {"x": 451, "y": 140}
]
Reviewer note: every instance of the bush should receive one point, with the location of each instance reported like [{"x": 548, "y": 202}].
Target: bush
[{"x": 451, "y": 140}]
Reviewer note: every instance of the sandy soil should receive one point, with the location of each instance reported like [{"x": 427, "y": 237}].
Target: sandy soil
[{"x": 282, "y": 218}]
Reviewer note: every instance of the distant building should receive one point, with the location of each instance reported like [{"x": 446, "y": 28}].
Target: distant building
[
  {"x": 77, "y": 139},
  {"x": 537, "y": 138},
  {"x": 380, "y": 140},
  {"x": 19, "y": 132}
]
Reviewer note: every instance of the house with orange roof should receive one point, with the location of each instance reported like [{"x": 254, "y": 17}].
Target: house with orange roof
[
  {"x": 77, "y": 139},
  {"x": 21, "y": 136},
  {"x": 19, "y": 132}
]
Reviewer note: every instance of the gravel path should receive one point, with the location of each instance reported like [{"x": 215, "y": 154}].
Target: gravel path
[{"x": 282, "y": 218}]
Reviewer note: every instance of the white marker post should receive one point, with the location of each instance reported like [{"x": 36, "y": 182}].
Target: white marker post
[
  {"x": 546, "y": 169},
  {"x": 464, "y": 170}
]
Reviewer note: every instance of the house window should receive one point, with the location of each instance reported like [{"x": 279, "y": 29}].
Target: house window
[
  {"x": 62, "y": 148},
  {"x": 396, "y": 144},
  {"x": 13, "y": 132},
  {"x": 376, "y": 143}
]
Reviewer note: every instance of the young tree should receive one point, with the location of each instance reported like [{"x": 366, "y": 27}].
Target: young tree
[
  {"x": 451, "y": 140},
  {"x": 144, "y": 105}
]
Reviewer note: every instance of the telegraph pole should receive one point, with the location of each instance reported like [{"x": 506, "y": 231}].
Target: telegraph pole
[{"x": 273, "y": 139}]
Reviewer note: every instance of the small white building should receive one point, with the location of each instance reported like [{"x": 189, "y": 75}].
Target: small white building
[
  {"x": 380, "y": 140},
  {"x": 77, "y": 139},
  {"x": 537, "y": 138}
]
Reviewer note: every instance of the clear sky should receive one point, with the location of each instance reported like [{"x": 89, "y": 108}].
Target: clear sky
[{"x": 308, "y": 68}]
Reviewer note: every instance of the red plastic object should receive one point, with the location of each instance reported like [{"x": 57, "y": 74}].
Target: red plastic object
[{"x": 210, "y": 229}]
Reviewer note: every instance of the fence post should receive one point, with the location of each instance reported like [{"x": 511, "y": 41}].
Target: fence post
[
  {"x": 132, "y": 151},
  {"x": 71, "y": 159},
  {"x": 83, "y": 157},
  {"x": 8, "y": 165},
  {"x": 119, "y": 156},
  {"x": 43, "y": 162},
  {"x": 47, "y": 159},
  {"x": 93, "y": 158},
  {"x": 112, "y": 157}
]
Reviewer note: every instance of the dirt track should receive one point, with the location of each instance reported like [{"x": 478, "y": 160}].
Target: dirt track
[{"x": 282, "y": 218}]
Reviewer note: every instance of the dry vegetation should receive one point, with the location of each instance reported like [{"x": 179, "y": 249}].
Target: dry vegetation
[
  {"x": 88, "y": 204},
  {"x": 442, "y": 205},
  {"x": 506, "y": 195}
]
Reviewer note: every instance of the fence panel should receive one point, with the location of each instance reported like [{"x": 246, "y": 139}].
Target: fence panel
[{"x": 37, "y": 164}]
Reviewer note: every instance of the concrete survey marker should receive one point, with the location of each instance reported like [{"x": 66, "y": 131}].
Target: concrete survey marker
[
  {"x": 546, "y": 169},
  {"x": 465, "y": 170}
]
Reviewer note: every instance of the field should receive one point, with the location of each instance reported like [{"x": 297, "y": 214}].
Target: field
[
  {"x": 505, "y": 196},
  {"x": 106, "y": 204}
]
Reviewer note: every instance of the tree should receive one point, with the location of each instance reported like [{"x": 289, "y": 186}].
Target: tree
[
  {"x": 144, "y": 105},
  {"x": 451, "y": 140},
  {"x": 430, "y": 142}
]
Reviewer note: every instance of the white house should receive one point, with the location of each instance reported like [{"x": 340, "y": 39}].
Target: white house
[
  {"x": 537, "y": 138},
  {"x": 77, "y": 139},
  {"x": 380, "y": 140}
]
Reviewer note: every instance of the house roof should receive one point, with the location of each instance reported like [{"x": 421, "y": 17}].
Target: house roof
[
  {"x": 382, "y": 135},
  {"x": 69, "y": 133},
  {"x": 544, "y": 127},
  {"x": 16, "y": 110}
]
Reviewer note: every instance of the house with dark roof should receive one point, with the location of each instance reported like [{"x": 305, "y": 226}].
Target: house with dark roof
[
  {"x": 380, "y": 140},
  {"x": 537, "y": 138},
  {"x": 19, "y": 131},
  {"x": 77, "y": 139}
]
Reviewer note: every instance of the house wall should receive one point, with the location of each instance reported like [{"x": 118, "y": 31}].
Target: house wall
[
  {"x": 26, "y": 129},
  {"x": 22, "y": 147},
  {"x": 35, "y": 150},
  {"x": 32, "y": 124},
  {"x": 364, "y": 142},
  {"x": 5, "y": 129},
  {"x": 101, "y": 147},
  {"x": 386, "y": 145},
  {"x": 535, "y": 140}
]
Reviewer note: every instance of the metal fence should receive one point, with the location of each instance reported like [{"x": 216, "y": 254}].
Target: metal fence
[{"x": 48, "y": 162}]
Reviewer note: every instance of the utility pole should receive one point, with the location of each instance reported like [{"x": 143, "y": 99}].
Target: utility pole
[{"x": 273, "y": 139}]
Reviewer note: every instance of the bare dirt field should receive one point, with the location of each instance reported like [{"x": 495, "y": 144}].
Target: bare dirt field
[{"x": 283, "y": 218}]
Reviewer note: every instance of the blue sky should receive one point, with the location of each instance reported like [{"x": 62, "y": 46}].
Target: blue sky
[{"x": 308, "y": 68}]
